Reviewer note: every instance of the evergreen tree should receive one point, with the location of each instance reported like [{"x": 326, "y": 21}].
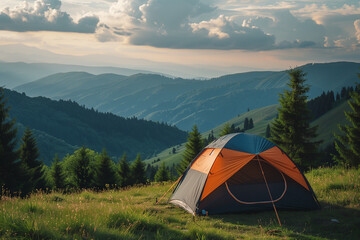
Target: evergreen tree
[
  {"x": 337, "y": 97},
  {"x": 246, "y": 124},
  {"x": 9, "y": 164},
  {"x": 105, "y": 174},
  {"x": 267, "y": 132},
  {"x": 226, "y": 130},
  {"x": 251, "y": 123},
  {"x": 192, "y": 149},
  {"x": 138, "y": 171},
  {"x": 124, "y": 172},
  {"x": 81, "y": 169},
  {"x": 57, "y": 174},
  {"x": 34, "y": 177},
  {"x": 348, "y": 144},
  {"x": 291, "y": 130},
  {"x": 162, "y": 174}
]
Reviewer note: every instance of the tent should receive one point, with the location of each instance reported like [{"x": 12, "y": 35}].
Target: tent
[{"x": 242, "y": 172}]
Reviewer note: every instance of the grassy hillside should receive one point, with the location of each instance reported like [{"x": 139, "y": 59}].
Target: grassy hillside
[
  {"x": 132, "y": 214},
  {"x": 328, "y": 125}
]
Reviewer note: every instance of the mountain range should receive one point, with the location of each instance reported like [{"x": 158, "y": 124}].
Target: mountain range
[
  {"x": 63, "y": 126},
  {"x": 184, "y": 102}
]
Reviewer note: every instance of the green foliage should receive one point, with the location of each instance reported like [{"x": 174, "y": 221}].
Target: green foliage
[
  {"x": 9, "y": 165},
  {"x": 138, "y": 171},
  {"x": 348, "y": 143},
  {"x": 192, "y": 149},
  {"x": 162, "y": 174},
  {"x": 124, "y": 172},
  {"x": 291, "y": 130},
  {"x": 226, "y": 130},
  {"x": 80, "y": 168},
  {"x": 33, "y": 176},
  {"x": 57, "y": 174},
  {"x": 77, "y": 126},
  {"x": 105, "y": 174}
]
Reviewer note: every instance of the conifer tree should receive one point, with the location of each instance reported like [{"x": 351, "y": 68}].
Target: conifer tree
[
  {"x": 267, "y": 132},
  {"x": 57, "y": 173},
  {"x": 226, "y": 130},
  {"x": 81, "y": 169},
  {"x": 162, "y": 174},
  {"x": 246, "y": 124},
  {"x": 105, "y": 174},
  {"x": 124, "y": 172},
  {"x": 9, "y": 164},
  {"x": 34, "y": 172},
  {"x": 192, "y": 148},
  {"x": 138, "y": 174},
  {"x": 251, "y": 123},
  {"x": 291, "y": 130},
  {"x": 348, "y": 144}
]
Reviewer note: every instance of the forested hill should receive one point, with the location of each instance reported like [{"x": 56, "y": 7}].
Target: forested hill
[
  {"x": 78, "y": 126},
  {"x": 183, "y": 102}
]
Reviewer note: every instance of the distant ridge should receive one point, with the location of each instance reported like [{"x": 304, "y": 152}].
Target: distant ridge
[{"x": 184, "y": 102}]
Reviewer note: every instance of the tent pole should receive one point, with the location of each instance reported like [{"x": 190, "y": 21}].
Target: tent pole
[
  {"x": 168, "y": 190},
  {"x": 267, "y": 186}
]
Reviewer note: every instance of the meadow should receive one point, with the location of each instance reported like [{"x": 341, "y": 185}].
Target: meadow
[{"x": 132, "y": 214}]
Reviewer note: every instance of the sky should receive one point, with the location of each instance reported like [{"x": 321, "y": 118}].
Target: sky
[{"x": 185, "y": 38}]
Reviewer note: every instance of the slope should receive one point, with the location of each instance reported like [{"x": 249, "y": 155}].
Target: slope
[
  {"x": 327, "y": 126},
  {"x": 77, "y": 126},
  {"x": 185, "y": 102}
]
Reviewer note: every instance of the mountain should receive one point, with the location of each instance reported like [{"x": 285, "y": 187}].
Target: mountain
[
  {"x": 183, "y": 102},
  {"x": 62, "y": 126},
  {"x": 13, "y": 74}
]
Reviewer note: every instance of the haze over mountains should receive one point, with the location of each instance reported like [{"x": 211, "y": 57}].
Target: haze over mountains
[
  {"x": 183, "y": 102},
  {"x": 13, "y": 74}
]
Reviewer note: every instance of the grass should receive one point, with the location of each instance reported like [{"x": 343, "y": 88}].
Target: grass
[{"x": 132, "y": 214}]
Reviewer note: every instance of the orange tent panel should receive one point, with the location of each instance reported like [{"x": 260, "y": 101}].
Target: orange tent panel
[
  {"x": 226, "y": 164},
  {"x": 204, "y": 162},
  {"x": 281, "y": 161}
]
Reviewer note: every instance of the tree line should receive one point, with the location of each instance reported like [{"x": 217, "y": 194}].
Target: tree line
[{"x": 21, "y": 171}]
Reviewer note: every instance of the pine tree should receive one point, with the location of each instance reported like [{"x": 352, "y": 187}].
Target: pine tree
[
  {"x": 162, "y": 174},
  {"x": 105, "y": 174},
  {"x": 9, "y": 164},
  {"x": 251, "y": 123},
  {"x": 138, "y": 171},
  {"x": 57, "y": 173},
  {"x": 34, "y": 172},
  {"x": 81, "y": 169},
  {"x": 124, "y": 172},
  {"x": 192, "y": 148},
  {"x": 246, "y": 124},
  {"x": 291, "y": 130},
  {"x": 348, "y": 144},
  {"x": 226, "y": 130},
  {"x": 267, "y": 132}
]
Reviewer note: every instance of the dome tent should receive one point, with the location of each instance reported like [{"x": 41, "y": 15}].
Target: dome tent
[{"x": 242, "y": 172}]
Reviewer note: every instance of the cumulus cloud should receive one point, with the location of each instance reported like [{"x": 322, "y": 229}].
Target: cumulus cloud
[
  {"x": 44, "y": 15},
  {"x": 357, "y": 30},
  {"x": 176, "y": 24}
]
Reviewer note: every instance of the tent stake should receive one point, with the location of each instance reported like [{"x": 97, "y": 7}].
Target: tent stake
[
  {"x": 267, "y": 186},
  {"x": 168, "y": 190}
]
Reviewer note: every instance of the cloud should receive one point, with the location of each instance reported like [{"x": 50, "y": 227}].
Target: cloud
[
  {"x": 44, "y": 15},
  {"x": 357, "y": 30},
  {"x": 179, "y": 25}
]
